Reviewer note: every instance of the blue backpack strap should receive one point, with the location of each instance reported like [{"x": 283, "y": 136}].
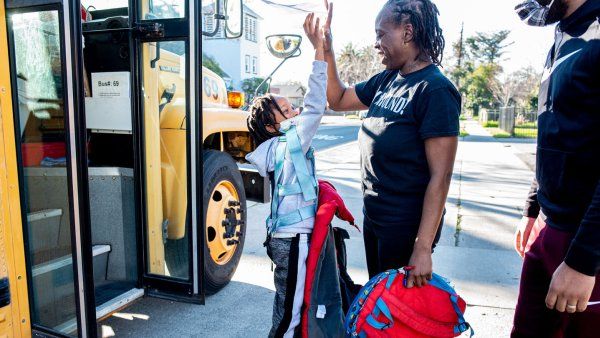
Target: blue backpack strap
[
  {"x": 295, "y": 216},
  {"x": 289, "y": 189},
  {"x": 391, "y": 278},
  {"x": 305, "y": 178},
  {"x": 306, "y": 185},
  {"x": 376, "y": 324},
  {"x": 440, "y": 283},
  {"x": 279, "y": 160},
  {"x": 384, "y": 309},
  {"x": 359, "y": 301},
  {"x": 380, "y": 308}
]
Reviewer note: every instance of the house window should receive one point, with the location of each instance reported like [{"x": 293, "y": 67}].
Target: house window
[
  {"x": 254, "y": 66},
  {"x": 250, "y": 28},
  {"x": 248, "y": 64},
  {"x": 209, "y": 26},
  {"x": 209, "y": 23}
]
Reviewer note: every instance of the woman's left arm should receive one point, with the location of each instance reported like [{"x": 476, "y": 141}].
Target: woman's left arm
[{"x": 441, "y": 152}]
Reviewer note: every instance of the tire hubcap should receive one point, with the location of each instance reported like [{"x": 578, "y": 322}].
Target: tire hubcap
[{"x": 223, "y": 222}]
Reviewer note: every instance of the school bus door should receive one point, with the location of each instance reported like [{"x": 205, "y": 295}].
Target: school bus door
[{"x": 43, "y": 69}]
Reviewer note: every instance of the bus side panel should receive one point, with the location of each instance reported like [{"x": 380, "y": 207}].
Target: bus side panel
[{"x": 14, "y": 318}]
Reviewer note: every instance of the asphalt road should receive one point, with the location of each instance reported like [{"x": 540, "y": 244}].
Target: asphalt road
[{"x": 329, "y": 136}]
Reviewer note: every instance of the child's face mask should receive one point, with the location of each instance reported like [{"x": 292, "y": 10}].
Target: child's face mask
[
  {"x": 283, "y": 110},
  {"x": 535, "y": 14}
]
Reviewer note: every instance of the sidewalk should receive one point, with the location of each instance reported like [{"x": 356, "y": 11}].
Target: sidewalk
[
  {"x": 475, "y": 252},
  {"x": 484, "y": 206}
]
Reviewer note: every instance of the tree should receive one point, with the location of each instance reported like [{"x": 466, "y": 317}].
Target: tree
[
  {"x": 475, "y": 69},
  {"x": 370, "y": 62},
  {"x": 249, "y": 87},
  {"x": 212, "y": 64},
  {"x": 478, "y": 88},
  {"x": 518, "y": 88},
  {"x": 488, "y": 48},
  {"x": 527, "y": 94},
  {"x": 348, "y": 62},
  {"x": 357, "y": 65}
]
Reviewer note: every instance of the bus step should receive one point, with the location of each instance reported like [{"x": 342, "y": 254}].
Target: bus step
[
  {"x": 43, "y": 214},
  {"x": 44, "y": 229},
  {"x": 56, "y": 264},
  {"x": 104, "y": 310},
  {"x": 53, "y": 282}
]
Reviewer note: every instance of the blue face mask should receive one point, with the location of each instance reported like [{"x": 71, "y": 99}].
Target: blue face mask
[{"x": 535, "y": 14}]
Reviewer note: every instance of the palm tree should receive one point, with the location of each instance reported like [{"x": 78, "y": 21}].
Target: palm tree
[
  {"x": 348, "y": 63},
  {"x": 356, "y": 65}
]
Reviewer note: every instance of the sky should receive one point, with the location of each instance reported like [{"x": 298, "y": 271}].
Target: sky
[{"x": 354, "y": 21}]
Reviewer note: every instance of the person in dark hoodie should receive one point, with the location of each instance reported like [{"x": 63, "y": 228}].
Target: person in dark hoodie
[{"x": 560, "y": 234}]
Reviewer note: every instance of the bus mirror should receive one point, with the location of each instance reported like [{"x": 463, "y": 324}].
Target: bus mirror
[
  {"x": 234, "y": 10},
  {"x": 283, "y": 46}
]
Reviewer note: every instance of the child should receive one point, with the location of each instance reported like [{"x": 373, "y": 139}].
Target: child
[{"x": 284, "y": 136}]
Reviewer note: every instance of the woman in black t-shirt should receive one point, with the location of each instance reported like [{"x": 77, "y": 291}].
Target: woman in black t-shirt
[{"x": 408, "y": 140}]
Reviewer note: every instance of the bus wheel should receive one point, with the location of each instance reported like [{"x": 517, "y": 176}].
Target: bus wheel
[{"x": 224, "y": 218}]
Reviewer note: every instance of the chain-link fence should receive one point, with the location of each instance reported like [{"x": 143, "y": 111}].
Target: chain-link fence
[{"x": 510, "y": 122}]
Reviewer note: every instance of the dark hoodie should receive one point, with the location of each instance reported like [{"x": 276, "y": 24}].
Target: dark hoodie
[{"x": 568, "y": 156}]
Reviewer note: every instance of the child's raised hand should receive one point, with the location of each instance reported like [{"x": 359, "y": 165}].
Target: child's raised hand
[{"x": 314, "y": 31}]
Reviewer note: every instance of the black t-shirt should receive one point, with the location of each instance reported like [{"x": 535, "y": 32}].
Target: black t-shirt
[{"x": 404, "y": 111}]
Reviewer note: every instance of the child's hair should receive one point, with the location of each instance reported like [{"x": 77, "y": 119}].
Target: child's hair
[{"x": 261, "y": 116}]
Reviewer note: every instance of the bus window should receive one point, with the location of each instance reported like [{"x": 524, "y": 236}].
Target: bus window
[
  {"x": 42, "y": 142},
  {"x": 164, "y": 9},
  {"x": 166, "y": 135},
  {"x": 92, "y": 5}
]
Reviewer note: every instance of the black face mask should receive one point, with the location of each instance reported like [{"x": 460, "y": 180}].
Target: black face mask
[
  {"x": 541, "y": 12},
  {"x": 557, "y": 11}
]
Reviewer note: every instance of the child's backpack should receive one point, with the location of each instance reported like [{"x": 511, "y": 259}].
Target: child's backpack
[
  {"x": 386, "y": 308},
  {"x": 348, "y": 288}
]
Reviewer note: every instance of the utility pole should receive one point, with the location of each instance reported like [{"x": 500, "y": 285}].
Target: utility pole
[
  {"x": 460, "y": 51},
  {"x": 459, "y": 64}
]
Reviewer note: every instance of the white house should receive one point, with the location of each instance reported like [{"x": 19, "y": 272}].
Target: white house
[
  {"x": 293, "y": 91},
  {"x": 239, "y": 58}
]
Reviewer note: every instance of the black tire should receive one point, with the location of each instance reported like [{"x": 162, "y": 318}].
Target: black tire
[
  {"x": 219, "y": 166},
  {"x": 177, "y": 256}
]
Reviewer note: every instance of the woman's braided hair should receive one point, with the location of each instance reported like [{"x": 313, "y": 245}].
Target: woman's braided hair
[
  {"x": 261, "y": 116},
  {"x": 423, "y": 16}
]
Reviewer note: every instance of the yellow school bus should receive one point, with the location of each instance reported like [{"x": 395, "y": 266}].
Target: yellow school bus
[{"x": 121, "y": 160}]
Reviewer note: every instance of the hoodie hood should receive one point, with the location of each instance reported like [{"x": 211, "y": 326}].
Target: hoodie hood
[{"x": 583, "y": 16}]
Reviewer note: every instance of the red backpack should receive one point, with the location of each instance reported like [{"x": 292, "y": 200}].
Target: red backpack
[{"x": 386, "y": 308}]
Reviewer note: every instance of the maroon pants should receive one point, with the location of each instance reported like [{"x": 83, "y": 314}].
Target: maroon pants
[{"x": 532, "y": 317}]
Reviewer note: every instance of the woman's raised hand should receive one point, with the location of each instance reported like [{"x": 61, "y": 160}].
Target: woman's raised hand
[{"x": 327, "y": 27}]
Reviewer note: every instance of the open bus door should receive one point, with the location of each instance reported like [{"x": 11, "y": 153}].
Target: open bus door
[
  {"x": 107, "y": 117},
  {"x": 43, "y": 65}
]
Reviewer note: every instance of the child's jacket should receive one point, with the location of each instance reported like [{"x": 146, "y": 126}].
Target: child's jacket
[
  {"x": 322, "y": 314},
  {"x": 306, "y": 125}
]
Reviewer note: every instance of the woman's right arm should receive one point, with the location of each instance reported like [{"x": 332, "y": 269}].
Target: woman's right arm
[{"x": 339, "y": 97}]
